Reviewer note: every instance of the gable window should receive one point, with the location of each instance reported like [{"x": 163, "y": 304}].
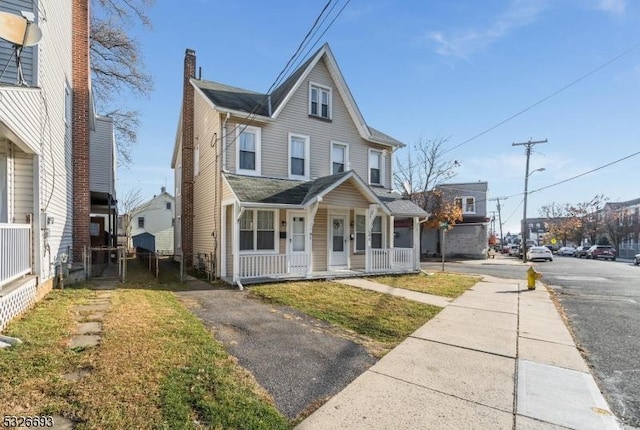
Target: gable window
[
  {"x": 196, "y": 161},
  {"x": 298, "y": 156},
  {"x": 319, "y": 101},
  {"x": 140, "y": 222},
  {"x": 467, "y": 204},
  {"x": 168, "y": 205},
  {"x": 257, "y": 230},
  {"x": 339, "y": 158},
  {"x": 248, "y": 153},
  {"x": 376, "y": 167}
]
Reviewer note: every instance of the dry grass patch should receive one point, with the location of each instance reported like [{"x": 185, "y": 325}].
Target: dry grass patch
[
  {"x": 385, "y": 319},
  {"x": 440, "y": 284},
  {"x": 157, "y": 366}
]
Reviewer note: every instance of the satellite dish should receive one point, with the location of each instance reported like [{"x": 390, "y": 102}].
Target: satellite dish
[{"x": 18, "y": 30}]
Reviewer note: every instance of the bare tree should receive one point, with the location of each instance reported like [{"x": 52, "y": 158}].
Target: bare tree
[
  {"x": 422, "y": 169},
  {"x": 117, "y": 67},
  {"x": 129, "y": 207},
  {"x": 419, "y": 173}
]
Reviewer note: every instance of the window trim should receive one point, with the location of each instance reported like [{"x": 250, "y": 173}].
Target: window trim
[
  {"x": 258, "y": 132},
  {"x": 382, "y": 166},
  {"x": 346, "y": 156},
  {"x": 276, "y": 241},
  {"x": 307, "y": 156},
  {"x": 329, "y": 90},
  {"x": 463, "y": 206}
]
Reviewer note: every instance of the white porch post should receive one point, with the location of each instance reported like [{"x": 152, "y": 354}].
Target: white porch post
[
  {"x": 416, "y": 242},
  {"x": 235, "y": 239},
  {"x": 311, "y": 215},
  {"x": 223, "y": 241},
  {"x": 391, "y": 232}
]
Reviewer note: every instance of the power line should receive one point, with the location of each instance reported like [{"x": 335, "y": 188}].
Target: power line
[{"x": 544, "y": 99}]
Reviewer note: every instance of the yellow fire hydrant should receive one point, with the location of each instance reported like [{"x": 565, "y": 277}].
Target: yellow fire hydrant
[{"x": 532, "y": 276}]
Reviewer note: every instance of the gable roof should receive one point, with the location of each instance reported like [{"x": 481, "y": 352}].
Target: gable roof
[{"x": 242, "y": 102}]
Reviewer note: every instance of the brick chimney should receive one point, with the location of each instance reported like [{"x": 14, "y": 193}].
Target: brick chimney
[
  {"x": 80, "y": 126},
  {"x": 187, "y": 157}
]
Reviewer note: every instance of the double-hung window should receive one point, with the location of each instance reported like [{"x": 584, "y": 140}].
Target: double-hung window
[
  {"x": 376, "y": 167},
  {"x": 467, "y": 204},
  {"x": 257, "y": 230},
  {"x": 339, "y": 158},
  {"x": 298, "y": 156},
  {"x": 319, "y": 101},
  {"x": 376, "y": 233},
  {"x": 140, "y": 222},
  {"x": 248, "y": 152}
]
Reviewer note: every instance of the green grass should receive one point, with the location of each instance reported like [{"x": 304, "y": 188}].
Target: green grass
[
  {"x": 440, "y": 284},
  {"x": 156, "y": 367},
  {"x": 385, "y": 319}
]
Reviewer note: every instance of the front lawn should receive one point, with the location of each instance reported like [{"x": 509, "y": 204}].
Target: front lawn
[
  {"x": 157, "y": 366},
  {"x": 383, "y": 318},
  {"x": 440, "y": 284}
]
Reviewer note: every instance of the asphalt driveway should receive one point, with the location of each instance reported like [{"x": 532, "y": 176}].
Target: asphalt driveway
[{"x": 296, "y": 358}]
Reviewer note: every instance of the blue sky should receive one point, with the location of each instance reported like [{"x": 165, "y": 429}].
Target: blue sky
[{"x": 430, "y": 69}]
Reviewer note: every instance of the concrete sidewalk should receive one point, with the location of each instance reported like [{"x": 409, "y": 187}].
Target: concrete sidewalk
[{"x": 498, "y": 357}]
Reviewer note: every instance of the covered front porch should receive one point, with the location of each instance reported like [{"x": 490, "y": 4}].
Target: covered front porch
[{"x": 341, "y": 228}]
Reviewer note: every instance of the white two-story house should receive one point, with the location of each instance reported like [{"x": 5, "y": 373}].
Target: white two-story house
[
  {"x": 47, "y": 122},
  {"x": 153, "y": 220},
  {"x": 291, "y": 184}
]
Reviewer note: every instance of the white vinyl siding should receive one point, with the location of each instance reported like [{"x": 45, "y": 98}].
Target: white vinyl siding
[
  {"x": 196, "y": 161},
  {"x": 298, "y": 156},
  {"x": 102, "y": 157},
  {"x": 23, "y": 187},
  {"x": 293, "y": 117}
]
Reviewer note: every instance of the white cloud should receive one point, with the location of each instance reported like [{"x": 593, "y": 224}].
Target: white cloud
[
  {"x": 613, "y": 6},
  {"x": 464, "y": 43}
]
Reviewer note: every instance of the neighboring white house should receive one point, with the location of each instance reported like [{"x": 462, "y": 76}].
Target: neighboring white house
[
  {"x": 157, "y": 218},
  {"x": 46, "y": 116}
]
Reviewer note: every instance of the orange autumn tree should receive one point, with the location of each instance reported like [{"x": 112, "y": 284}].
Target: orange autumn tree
[{"x": 442, "y": 211}]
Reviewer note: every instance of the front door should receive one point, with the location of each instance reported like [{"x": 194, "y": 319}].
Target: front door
[
  {"x": 338, "y": 242},
  {"x": 298, "y": 257}
]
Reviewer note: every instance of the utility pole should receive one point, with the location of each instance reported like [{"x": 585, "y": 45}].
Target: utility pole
[
  {"x": 497, "y": 199},
  {"x": 528, "y": 145}
]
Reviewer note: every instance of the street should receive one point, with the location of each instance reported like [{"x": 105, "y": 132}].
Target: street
[{"x": 602, "y": 302}]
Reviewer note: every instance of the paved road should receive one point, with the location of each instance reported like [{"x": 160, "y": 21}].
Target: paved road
[
  {"x": 602, "y": 302},
  {"x": 296, "y": 358}
]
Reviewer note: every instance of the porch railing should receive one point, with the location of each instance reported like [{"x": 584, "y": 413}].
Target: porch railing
[
  {"x": 15, "y": 252},
  {"x": 272, "y": 265},
  {"x": 392, "y": 258}
]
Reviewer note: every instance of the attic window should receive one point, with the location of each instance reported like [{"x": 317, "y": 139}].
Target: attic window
[
  {"x": 319, "y": 101},
  {"x": 467, "y": 204}
]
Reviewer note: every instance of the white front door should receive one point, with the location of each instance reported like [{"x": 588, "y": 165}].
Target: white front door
[
  {"x": 297, "y": 244},
  {"x": 338, "y": 242}
]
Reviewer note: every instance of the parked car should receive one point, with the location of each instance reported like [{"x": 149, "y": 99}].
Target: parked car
[
  {"x": 514, "y": 250},
  {"x": 553, "y": 247},
  {"x": 539, "y": 253},
  {"x": 581, "y": 251},
  {"x": 636, "y": 260},
  {"x": 606, "y": 252},
  {"x": 566, "y": 250}
]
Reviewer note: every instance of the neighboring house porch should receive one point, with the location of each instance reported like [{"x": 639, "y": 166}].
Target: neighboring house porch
[{"x": 332, "y": 226}]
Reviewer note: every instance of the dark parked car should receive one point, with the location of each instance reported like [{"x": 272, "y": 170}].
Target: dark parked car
[
  {"x": 636, "y": 260},
  {"x": 581, "y": 251},
  {"x": 606, "y": 252}
]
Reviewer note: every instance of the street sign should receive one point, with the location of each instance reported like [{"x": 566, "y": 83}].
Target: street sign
[{"x": 444, "y": 225}]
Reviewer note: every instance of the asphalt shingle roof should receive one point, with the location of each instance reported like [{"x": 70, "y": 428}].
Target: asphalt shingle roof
[{"x": 250, "y": 189}]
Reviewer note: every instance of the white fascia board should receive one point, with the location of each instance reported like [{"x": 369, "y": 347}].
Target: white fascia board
[{"x": 226, "y": 182}]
